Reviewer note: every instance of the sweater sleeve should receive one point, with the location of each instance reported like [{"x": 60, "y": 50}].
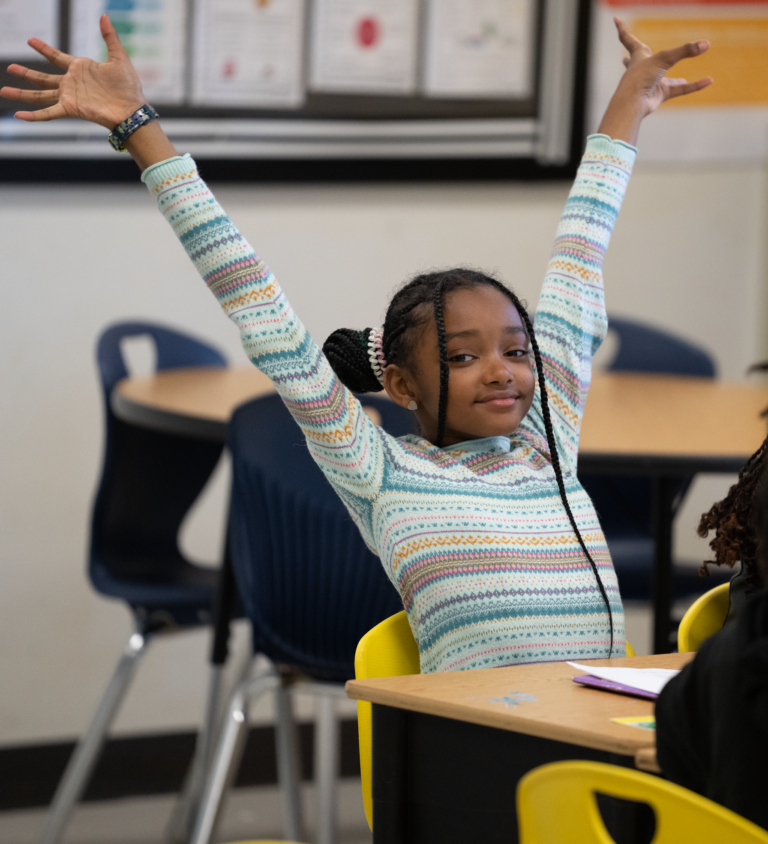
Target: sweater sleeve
[
  {"x": 346, "y": 445},
  {"x": 570, "y": 321}
]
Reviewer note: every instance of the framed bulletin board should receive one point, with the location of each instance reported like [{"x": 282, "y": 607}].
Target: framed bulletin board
[{"x": 321, "y": 89}]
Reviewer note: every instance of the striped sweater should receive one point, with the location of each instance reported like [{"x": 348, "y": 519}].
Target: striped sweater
[{"x": 473, "y": 536}]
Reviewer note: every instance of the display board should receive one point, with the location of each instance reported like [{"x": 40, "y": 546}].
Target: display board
[{"x": 322, "y": 88}]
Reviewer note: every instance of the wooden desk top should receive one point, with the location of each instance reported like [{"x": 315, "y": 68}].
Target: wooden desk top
[
  {"x": 560, "y": 709},
  {"x": 672, "y": 416},
  {"x": 714, "y": 424}
]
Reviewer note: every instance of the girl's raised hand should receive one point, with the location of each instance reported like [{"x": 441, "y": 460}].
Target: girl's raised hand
[
  {"x": 101, "y": 92},
  {"x": 645, "y": 84}
]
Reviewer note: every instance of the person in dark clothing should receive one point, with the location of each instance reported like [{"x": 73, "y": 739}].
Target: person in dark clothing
[{"x": 712, "y": 719}]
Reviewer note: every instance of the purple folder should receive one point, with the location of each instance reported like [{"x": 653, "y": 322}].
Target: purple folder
[{"x": 610, "y": 686}]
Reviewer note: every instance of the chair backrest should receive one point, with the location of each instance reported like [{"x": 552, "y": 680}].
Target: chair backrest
[
  {"x": 704, "y": 617},
  {"x": 149, "y": 479},
  {"x": 388, "y": 650},
  {"x": 309, "y": 585},
  {"x": 644, "y": 348},
  {"x": 558, "y": 803}
]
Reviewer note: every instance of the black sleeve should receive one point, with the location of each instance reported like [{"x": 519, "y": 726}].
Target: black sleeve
[{"x": 682, "y": 748}]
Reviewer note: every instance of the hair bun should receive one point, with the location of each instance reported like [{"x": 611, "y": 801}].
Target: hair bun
[{"x": 347, "y": 352}]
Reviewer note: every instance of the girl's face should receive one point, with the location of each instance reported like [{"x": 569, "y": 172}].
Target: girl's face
[{"x": 491, "y": 380}]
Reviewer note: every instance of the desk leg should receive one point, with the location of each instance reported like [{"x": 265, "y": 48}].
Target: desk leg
[{"x": 663, "y": 495}]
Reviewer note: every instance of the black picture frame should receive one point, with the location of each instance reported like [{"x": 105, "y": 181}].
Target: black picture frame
[{"x": 120, "y": 168}]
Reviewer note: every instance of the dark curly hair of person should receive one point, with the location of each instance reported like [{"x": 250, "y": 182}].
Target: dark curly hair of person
[
  {"x": 412, "y": 307},
  {"x": 733, "y": 519}
]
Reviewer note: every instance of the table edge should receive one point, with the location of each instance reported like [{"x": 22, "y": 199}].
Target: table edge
[{"x": 166, "y": 421}]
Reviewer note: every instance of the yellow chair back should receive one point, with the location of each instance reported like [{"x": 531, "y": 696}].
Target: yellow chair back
[
  {"x": 681, "y": 815},
  {"x": 704, "y": 617},
  {"x": 388, "y": 650}
]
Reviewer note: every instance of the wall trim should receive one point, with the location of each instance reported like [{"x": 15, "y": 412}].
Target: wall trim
[{"x": 150, "y": 764}]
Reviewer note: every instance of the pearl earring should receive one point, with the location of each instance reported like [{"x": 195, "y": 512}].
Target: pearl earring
[{"x": 412, "y": 405}]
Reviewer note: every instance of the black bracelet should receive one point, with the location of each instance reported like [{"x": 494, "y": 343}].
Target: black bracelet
[{"x": 120, "y": 134}]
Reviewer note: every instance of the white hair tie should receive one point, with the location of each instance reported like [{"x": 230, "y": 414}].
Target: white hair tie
[{"x": 376, "y": 353}]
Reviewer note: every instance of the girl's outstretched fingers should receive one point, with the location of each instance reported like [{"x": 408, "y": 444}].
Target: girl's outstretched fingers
[
  {"x": 100, "y": 92},
  {"x": 54, "y": 56},
  {"x": 680, "y": 87},
  {"x": 645, "y": 85},
  {"x": 47, "y": 81}
]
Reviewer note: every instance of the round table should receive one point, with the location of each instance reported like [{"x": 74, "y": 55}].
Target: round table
[{"x": 662, "y": 426}]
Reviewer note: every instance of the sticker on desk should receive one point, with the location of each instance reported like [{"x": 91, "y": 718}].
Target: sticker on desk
[
  {"x": 642, "y": 722},
  {"x": 509, "y": 699}
]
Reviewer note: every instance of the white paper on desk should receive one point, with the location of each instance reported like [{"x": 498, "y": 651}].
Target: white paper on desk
[
  {"x": 248, "y": 53},
  {"x": 480, "y": 48},
  {"x": 24, "y": 19},
  {"x": 647, "y": 679},
  {"x": 153, "y": 33},
  {"x": 364, "y": 46}
]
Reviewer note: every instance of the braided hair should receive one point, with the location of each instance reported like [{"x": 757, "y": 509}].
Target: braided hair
[
  {"x": 410, "y": 311},
  {"x": 733, "y": 519}
]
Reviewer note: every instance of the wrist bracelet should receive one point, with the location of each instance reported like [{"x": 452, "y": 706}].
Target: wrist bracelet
[{"x": 120, "y": 134}]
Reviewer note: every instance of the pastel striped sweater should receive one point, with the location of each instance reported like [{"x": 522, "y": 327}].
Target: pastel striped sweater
[{"x": 473, "y": 536}]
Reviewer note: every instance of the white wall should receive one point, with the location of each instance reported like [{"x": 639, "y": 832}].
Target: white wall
[{"x": 687, "y": 254}]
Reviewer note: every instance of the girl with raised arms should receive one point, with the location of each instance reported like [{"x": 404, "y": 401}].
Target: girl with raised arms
[{"x": 480, "y": 522}]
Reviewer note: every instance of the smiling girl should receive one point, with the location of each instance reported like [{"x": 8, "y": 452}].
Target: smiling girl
[{"x": 480, "y": 522}]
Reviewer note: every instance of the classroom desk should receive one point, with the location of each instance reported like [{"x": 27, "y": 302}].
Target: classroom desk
[
  {"x": 663, "y": 426},
  {"x": 449, "y": 748},
  {"x": 668, "y": 427}
]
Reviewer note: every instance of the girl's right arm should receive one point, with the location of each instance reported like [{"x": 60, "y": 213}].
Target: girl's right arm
[{"x": 347, "y": 446}]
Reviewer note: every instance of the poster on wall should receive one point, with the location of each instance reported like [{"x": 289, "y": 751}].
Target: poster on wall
[
  {"x": 153, "y": 33},
  {"x": 21, "y": 20},
  {"x": 364, "y": 46},
  {"x": 248, "y": 53},
  {"x": 480, "y": 49},
  {"x": 727, "y": 120}
]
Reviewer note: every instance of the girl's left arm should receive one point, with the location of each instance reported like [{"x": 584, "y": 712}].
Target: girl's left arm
[{"x": 570, "y": 322}]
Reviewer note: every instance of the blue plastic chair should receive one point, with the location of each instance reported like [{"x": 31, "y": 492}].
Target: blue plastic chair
[
  {"x": 149, "y": 481},
  {"x": 309, "y": 585},
  {"x": 624, "y": 502}
]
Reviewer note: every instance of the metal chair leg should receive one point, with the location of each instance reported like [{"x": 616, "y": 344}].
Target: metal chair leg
[
  {"x": 179, "y": 827},
  {"x": 81, "y": 764},
  {"x": 288, "y": 763},
  {"x": 228, "y": 752},
  {"x": 326, "y": 767}
]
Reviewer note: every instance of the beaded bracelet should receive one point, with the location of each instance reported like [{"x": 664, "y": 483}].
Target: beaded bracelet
[{"x": 120, "y": 134}]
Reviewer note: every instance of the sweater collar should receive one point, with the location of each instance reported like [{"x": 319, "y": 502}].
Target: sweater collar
[{"x": 486, "y": 445}]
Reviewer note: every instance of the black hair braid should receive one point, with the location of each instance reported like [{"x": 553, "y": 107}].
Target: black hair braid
[
  {"x": 442, "y": 406},
  {"x": 347, "y": 352},
  {"x": 556, "y": 458}
]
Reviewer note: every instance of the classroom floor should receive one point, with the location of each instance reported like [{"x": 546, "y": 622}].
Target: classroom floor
[{"x": 249, "y": 813}]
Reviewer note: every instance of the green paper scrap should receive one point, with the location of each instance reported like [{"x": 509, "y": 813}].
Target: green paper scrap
[{"x": 642, "y": 722}]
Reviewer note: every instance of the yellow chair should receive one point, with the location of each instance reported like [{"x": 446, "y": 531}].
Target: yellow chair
[
  {"x": 387, "y": 650},
  {"x": 681, "y": 815},
  {"x": 704, "y": 617}
]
